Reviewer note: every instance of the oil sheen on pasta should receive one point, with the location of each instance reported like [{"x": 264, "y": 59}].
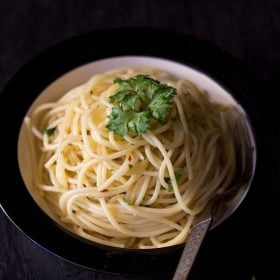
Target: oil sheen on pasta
[{"x": 132, "y": 191}]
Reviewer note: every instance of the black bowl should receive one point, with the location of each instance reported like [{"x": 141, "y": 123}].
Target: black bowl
[{"x": 37, "y": 74}]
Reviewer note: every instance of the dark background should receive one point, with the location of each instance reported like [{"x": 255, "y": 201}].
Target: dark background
[{"x": 248, "y": 30}]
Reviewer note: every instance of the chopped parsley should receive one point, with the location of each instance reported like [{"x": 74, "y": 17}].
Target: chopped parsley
[
  {"x": 49, "y": 131},
  {"x": 127, "y": 201},
  {"x": 170, "y": 186},
  {"x": 73, "y": 211},
  {"x": 138, "y": 100},
  {"x": 178, "y": 176},
  {"x": 130, "y": 166}
]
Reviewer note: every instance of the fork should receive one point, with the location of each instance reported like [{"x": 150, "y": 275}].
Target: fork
[{"x": 243, "y": 176}]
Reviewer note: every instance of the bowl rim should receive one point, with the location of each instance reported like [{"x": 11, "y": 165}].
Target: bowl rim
[
  {"x": 76, "y": 52},
  {"x": 82, "y": 74}
]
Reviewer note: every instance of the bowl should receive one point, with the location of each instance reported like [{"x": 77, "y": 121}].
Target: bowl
[{"x": 72, "y": 62}]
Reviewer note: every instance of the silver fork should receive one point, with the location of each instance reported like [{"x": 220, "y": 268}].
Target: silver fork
[{"x": 243, "y": 176}]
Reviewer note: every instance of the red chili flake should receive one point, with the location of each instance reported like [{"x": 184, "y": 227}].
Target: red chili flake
[
  {"x": 129, "y": 157},
  {"x": 104, "y": 190}
]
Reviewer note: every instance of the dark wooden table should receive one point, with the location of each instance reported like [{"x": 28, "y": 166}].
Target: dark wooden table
[{"x": 248, "y": 30}]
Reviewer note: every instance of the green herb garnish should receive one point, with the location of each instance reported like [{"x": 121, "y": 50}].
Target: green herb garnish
[
  {"x": 74, "y": 211},
  {"x": 130, "y": 166},
  {"x": 49, "y": 131},
  {"x": 127, "y": 201},
  {"x": 178, "y": 176},
  {"x": 138, "y": 100},
  {"x": 170, "y": 186}
]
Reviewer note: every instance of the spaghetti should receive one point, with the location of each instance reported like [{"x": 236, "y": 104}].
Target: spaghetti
[{"x": 139, "y": 191}]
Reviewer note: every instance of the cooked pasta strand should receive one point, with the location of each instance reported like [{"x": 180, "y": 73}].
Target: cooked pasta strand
[{"x": 126, "y": 191}]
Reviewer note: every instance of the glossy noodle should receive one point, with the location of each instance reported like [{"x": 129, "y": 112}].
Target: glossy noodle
[{"x": 136, "y": 191}]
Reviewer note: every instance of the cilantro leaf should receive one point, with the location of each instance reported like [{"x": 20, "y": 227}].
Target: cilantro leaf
[
  {"x": 162, "y": 103},
  {"x": 118, "y": 121},
  {"x": 139, "y": 99},
  {"x": 121, "y": 122},
  {"x": 139, "y": 123},
  {"x": 49, "y": 131}
]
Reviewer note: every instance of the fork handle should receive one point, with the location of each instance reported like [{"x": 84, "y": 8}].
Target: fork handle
[{"x": 191, "y": 249}]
